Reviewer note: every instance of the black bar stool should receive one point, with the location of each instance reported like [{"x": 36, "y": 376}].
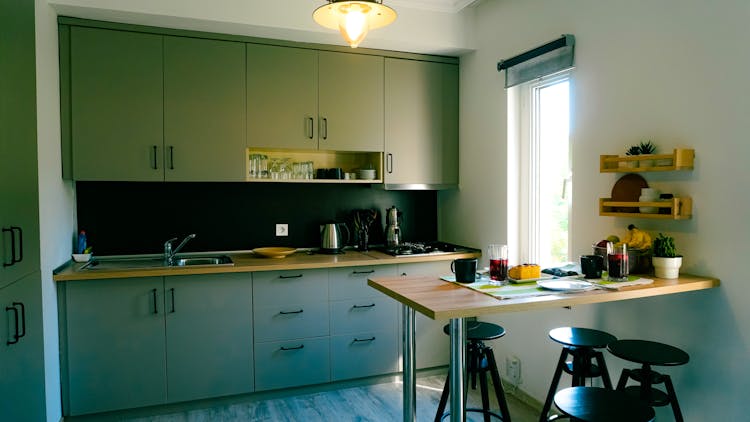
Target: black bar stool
[
  {"x": 582, "y": 345},
  {"x": 479, "y": 360},
  {"x": 595, "y": 404},
  {"x": 649, "y": 353}
]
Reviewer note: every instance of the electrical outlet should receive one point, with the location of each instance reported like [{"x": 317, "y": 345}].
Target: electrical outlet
[
  {"x": 282, "y": 230},
  {"x": 513, "y": 369}
]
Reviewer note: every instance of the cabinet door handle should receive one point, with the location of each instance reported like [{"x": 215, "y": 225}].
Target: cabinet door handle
[
  {"x": 12, "y": 247},
  {"x": 389, "y": 163},
  {"x": 301, "y": 346},
  {"x": 363, "y": 340},
  {"x": 291, "y": 312},
  {"x": 14, "y": 336},
  {"x": 372, "y": 305},
  {"x": 156, "y": 163},
  {"x": 171, "y": 292},
  {"x": 20, "y": 244},
  {"x": 310, "y": 128},
  {"x": 363, "y": 272},
  {"x": 23, "y": 319},
  {"x": 324, "y": 128},
  {"x": 284, "y": 277},
  {"x": 171, "y": 157},
  {"x": 156, "y": 308}
]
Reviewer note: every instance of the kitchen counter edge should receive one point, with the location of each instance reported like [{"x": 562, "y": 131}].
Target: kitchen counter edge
[{"x": 249, "y": 262}]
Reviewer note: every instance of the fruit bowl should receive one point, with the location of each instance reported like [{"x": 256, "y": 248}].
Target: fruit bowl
[{"x": 274, "y": 252}]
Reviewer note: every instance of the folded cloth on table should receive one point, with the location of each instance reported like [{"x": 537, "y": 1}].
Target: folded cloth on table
[{"x": 633, "y": 280}]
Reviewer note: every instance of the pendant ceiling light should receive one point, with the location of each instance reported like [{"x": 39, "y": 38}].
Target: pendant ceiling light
[{"x": 354, "y": 18}]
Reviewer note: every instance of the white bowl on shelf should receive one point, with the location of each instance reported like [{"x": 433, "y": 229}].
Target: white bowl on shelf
[{"x": 81, "y": 257}]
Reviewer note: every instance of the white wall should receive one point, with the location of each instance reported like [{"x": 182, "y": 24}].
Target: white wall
[
  {"x": 677, "y": 72},
  {"x": 56, "y": 197}
]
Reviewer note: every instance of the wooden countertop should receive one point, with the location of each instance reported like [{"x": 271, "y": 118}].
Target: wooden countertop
[
  {"x": 440, "y": 299},
  {"x": 249, "y": 262}
]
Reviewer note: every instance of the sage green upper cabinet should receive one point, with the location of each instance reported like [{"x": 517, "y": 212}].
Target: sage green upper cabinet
[
  {"x": 116, "y": 105},
  {"x": 308, "y": 99},
  {"x": 421, "y": 124},
  {"x": 350, "y": 102},
  {"x": 204, "y": 110},
  {"x": 282, "y": 97}
]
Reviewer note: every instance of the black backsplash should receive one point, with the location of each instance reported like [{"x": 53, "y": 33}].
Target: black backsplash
[{"x": 131, "y": 218}]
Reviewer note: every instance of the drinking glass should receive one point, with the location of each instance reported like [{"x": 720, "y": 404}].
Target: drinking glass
[
  {"x": 617, "y": 263},
  {"x": 498, "y": 255}
]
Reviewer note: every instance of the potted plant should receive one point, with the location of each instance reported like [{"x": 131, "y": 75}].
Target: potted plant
[
  {"x": 666, "y": 261},
  {"x": 647, "y": 148},
  {"x": 632, "y": 151}
]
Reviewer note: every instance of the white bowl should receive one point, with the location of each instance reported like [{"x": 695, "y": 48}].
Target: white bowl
[
  {"x": 367, "y": 174},
  {"x": 81, "y": 257}
]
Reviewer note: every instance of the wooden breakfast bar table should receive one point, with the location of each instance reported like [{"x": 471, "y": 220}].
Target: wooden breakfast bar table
[{"x": 438, "y": 299}]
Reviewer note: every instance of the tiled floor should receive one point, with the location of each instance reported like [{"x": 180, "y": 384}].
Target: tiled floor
[{"x": 379, "y": 402}]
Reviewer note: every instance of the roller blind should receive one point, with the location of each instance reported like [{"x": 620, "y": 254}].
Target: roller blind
[{"x": 545, "y": 60}]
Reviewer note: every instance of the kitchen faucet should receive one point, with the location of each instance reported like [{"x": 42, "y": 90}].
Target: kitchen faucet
[{"x": 169, "y": 253}]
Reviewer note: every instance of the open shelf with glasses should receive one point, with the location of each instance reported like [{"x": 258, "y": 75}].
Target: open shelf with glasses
[
  {"x": 671, "y": 209},
  {"x": 280, "y": 166},
  {"x": 679, "y": 159}
]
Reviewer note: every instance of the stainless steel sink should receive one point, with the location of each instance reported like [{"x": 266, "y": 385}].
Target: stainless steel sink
[
  {"x": 203, "y": 260},
  {"x": 110, "y": 264}
]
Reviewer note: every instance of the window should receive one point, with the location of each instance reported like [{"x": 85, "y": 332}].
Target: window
[{"x": 544, "y": 177}]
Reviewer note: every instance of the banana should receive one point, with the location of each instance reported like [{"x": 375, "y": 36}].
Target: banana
[{"x": 636, "y": 238}]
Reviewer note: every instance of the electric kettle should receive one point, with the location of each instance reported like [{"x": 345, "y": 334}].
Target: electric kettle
[{"x": 331, "y": 237}]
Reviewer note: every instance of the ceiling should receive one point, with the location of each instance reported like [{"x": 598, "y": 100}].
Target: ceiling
[{"x": 449, "y": 6}]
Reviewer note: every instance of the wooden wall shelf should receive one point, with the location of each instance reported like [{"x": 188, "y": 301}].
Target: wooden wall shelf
[
  {"x": 679, "y": 159},
  {"x": 674, "y": 209}
]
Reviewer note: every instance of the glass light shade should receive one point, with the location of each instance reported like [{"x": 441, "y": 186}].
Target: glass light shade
[{"x": 354, "y": 18}]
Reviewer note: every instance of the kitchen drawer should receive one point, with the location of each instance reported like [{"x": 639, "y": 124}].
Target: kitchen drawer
[
  {"x": 358, "y": 315},
  {"x": 351, "y": 282},
  {"x": 291, "y": 363},
  {"x": 364, "y": 354},
  {"x": 281, "y": 287},
  {"x": 290, "y": 321}
]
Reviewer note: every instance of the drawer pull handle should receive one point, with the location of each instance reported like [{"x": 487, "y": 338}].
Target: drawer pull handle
[
  {"x": 301, "y": 346},
  {"x": 290, "y": 276},
  {"x": 363, "y": 272},
  {"x": 372, "y": 305},
  {"x": 363, "y": 340},
  {"x": 290, "y": 312},
  {"x": 156, "y": 307}
]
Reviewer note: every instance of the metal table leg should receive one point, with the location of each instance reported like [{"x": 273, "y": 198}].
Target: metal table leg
[
  {"x": 457, "y": 369},
  {"x": 410, "y": 363}
]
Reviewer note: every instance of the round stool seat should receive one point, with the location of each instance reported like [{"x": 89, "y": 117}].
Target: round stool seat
[
  {"x": 594, "y": 404},
  {"x": 648, "y": 352},
  {"x": 581, "y": 337},
  {"x": 477, "y": 330}
]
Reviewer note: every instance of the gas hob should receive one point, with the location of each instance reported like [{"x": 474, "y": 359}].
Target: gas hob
[{"x": 425, "y": 249}]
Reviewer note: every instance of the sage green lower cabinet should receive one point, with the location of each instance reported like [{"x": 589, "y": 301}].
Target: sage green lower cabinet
[
  {"x": 291, "y": 363},
  {"x": 116, "y": 349},
  {"x": 364, "y": 324},
  {"x": 432, "y": 344},
  {"x": 21, "y": 351},
  {"x": 143, "y": 341},
  {"x": 209, "y": 336},
  {"x": 290, "y": 314}
]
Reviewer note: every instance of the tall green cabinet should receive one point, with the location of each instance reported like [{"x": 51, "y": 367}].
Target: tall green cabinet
[{"x": 22, "y": 392}]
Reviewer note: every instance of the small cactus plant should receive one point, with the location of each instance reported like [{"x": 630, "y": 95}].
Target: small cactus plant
[{"x": 664, "y": 246}]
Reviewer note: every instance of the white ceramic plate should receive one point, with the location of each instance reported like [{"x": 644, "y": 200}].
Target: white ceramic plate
[{"x": 564, "y": 285}]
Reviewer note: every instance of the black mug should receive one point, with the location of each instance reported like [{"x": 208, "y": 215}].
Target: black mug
[
  {"x": 592, "y": 266},
  {"x": 335, "y": 173},
  {"x": 465, "y": 269}
]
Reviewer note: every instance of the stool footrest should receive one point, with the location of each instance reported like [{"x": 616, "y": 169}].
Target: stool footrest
[{"x": 656, "y": 397}]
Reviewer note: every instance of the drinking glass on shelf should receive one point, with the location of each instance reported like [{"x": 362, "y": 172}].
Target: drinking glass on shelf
[
  {"x": 617, "y": 263},
  {"x": 498, "y": 255}
]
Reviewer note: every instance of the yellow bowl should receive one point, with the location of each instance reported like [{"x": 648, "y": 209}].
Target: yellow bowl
[{"x": 274, "y": 252}]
